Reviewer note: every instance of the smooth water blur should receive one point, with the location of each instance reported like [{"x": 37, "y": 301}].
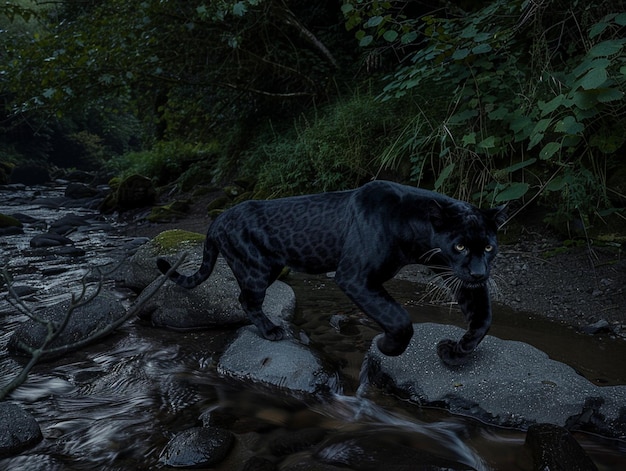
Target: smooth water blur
[{"x": 115, "y": 405}]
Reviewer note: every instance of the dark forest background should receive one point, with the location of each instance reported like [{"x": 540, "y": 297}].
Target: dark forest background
[{"x": 501, "y": 101}]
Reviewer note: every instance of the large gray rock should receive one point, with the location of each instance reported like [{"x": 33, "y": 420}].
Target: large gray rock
[
  {"x": 214, "y": 303},
  {"x": 283, "y": 365},
  {"x": 506, "y": 383}
]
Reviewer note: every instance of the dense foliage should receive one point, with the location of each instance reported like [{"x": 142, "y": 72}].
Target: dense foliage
[{"x": 489, "y": 101}]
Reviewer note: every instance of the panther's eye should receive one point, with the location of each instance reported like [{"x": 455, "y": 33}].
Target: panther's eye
[
  {"x": 488, "y": 248},
  {"x": 459, "y": 247}
]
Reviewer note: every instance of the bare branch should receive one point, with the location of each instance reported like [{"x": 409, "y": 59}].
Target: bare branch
[{"x": 55, "y": 330}]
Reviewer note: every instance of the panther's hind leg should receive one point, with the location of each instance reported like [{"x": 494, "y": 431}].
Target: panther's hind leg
[
  {"x": 476, "y": 307},
  {"x": 252, "y": 304},
  {"x": 254, "y": 277}
]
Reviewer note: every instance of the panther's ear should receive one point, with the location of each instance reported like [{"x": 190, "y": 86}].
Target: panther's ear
[
  {"x": 498, "y": 215},
  {"x": 437, "y": 214}
]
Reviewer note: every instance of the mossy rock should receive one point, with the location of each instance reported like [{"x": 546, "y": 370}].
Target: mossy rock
[
  {"x": 218, "y": 203},
  {"x": 5, "y": 172},
  {"x": 233, "y": 190},
  {"x": 202, "y": 190},
  {"x": 171, "y": 241},
  {"x": 216, "y": 212},
  {"x": 9, "y": 221},
  {"x": 135, "y": 191},
  {"x": 169, "y": 212}
]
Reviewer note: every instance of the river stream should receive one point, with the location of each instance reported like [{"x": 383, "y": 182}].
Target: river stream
[{"x": 115, "y": 405}]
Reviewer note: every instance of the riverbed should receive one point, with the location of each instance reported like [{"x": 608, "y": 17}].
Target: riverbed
[{"x": 115, "y": 405}]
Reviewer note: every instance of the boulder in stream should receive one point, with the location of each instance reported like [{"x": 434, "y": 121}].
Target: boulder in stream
[
  {"x": 214, "y": 303},
  {"x": 198, "y": 447},
  {"x": 506, "y": 383},
  {"x": 18, "y": 429},
  {"x": 284, "y": 365},
  {"x": 83, "y": 323}
]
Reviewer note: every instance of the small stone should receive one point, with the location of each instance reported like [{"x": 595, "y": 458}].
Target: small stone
[
  {"x": 598, "y": 327},
  {"x": 197, "y": 447}
]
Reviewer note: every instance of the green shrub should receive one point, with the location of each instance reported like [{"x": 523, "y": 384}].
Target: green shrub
[
  {"x": 518, "y": 100},
  {"x": 164, "y": 162},
  {"x": 338, "y": 147}
]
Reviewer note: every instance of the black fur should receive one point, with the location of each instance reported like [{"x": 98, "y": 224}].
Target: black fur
[{"x": 365, "y": 235}]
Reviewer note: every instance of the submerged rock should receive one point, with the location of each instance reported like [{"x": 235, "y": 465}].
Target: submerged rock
[
  {"x": 553, "y": 448},
  {"x": 505, "y": 383},
  {"x": 18, "y": 429},
  {"x": 368, "y": 453},
  {"x": 49, "y": 240},
  {"x": 197, "y": 447}
]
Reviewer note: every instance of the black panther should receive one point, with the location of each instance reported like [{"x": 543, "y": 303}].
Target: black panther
[{"x": 365, "y": 235}]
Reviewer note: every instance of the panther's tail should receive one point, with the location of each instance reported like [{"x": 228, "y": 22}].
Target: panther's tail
[{"x": 209, "y": 256}]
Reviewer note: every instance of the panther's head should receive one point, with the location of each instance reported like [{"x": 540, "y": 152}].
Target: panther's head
[{"x": 466, "y": 238}]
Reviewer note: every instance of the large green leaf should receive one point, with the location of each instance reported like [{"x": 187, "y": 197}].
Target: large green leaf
[
  {"x": 513, "y": 191},
  {"x": 445, "y": 173},
  {"x": 549, "y": 150},
  {"x": 606, "y": 48},
  {"x": 594, "y": 78}
]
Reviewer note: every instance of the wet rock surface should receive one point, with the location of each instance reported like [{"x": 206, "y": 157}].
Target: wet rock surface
[
  {"x": 18, "y": 429},
  {"x": 197, "y": 447},
  {"x": 505, "y": 383},
  {"x": 82, "y": 323},
  {"x": 553, "y": 448},
  {"x": 285, "y": 365}
]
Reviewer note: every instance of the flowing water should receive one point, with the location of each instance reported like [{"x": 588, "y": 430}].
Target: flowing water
[{"x": 115, "y": 405}]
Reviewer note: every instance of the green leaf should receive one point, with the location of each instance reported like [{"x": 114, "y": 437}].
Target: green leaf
[
  {"x": 550, "y": 106},
  {"x": 594, "y": 78},
  {"x": 460, "y": 54},
  {"x": 549, "y": 150},
  {"x": 239, "y": 9},
  {"x": 569, "y": 125},
  {"x": 390, "y": 35},
  {"x": 606, "y": 48},
  {"x": 347, "y": 8},
  {"x": 469, "y": 139},
  {"x": 609, "y": 94},
  {"x": 409, "y": 37},
  {"x": 584, "y": 100},
  {"x": 445, "y": 173},
  {"x": 487, "y": 143},
  {"x": 481, "y": 48},
  {"x": 621, "y": 19},
  {"x": 462, "y": 116},
  {"x": 513, "y": 191},
  {"x": 597, "y": 29},
  {"x": 588, "y": 64},
  {"x": 366, "y": 40},
  {"x": 374, "y": 21},
  {"x": 519, "y": 165}
]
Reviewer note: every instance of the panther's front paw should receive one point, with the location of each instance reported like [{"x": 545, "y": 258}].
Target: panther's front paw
[
  {"x": 274, "y": 333},
  {"x": 447, "y": 351},
  {"x": 391, "y": 347}
]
